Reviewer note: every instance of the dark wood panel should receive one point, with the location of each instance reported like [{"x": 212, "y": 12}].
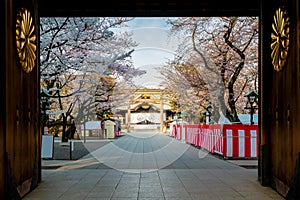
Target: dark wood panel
[
  {"x": 281, "y": 95},
  {"x": 22, "y": 109},
  {"x": 2, "y": 102}
]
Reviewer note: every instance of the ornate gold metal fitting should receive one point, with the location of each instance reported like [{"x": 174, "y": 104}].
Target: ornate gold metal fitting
[
  {"x": 26, "y": 40},
  {"x": 280, "y": 39}
]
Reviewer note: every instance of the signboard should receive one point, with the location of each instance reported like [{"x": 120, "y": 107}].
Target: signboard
[
  {"x": 47, "y": 146},
  {"x": 93, "y": 125}
]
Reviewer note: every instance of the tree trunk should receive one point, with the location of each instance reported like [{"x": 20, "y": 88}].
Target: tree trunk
[
  {"x": 232, "y": 113},
  {"x": 64, "y": 137}
]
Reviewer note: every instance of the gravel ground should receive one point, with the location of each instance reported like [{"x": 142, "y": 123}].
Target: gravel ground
[{"x": 62, "y": 150}]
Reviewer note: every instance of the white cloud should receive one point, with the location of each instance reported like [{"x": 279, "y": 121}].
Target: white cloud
[
  {"x": 155, "y": 47},
  {"x": 146, "y": 22}
]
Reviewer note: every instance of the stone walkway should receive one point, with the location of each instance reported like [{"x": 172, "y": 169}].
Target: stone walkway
[{"x": 141, "y": 166}]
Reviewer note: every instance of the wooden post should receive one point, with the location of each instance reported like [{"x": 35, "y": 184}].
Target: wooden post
[
  {"x": 161, "y": 113},
  {"x": 128, "y": 117}
]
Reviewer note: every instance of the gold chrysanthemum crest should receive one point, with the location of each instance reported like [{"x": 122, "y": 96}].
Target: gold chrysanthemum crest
[
  {"x": 26, "y": 40},
  {"x": 280, "y": 39}
]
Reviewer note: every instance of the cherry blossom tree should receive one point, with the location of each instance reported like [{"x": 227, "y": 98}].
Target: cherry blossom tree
[
  {"x": 75, "y": 53},
  {"x": 187, "y": 86},
  {"x": 219, "y": 60}
]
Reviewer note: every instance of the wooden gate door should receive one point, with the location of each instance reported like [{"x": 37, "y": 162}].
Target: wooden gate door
[{"x": 19, "y": 126}]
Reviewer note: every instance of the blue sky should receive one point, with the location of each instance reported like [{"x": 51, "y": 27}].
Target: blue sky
[
  {"x": 155, "y": 47},
  {"x": 141, "y": 22}
]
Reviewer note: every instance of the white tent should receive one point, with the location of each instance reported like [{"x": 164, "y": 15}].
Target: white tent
[{"x": 245, "y": 119}]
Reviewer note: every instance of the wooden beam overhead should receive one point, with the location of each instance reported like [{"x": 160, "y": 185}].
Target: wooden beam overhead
[{"x": 148, "y": 8}]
